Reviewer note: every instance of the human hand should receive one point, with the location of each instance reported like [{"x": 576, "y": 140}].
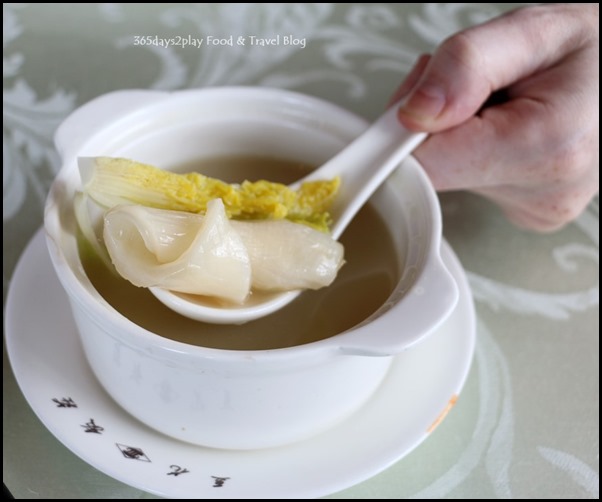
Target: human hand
[{"x": 536, "y": 153}]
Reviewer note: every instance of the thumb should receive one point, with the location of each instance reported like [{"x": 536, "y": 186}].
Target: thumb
[{"x": 471, "y": 65}]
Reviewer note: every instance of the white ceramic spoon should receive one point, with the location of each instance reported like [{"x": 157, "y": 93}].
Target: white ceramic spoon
[{"x": 363, "y": 165}]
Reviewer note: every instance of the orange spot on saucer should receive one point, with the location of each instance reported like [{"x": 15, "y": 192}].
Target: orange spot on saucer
[{"x": 443, "y": 414}]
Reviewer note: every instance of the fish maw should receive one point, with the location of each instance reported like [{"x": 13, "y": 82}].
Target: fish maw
[
  {"x": 288, "y": 256},
  {"x": 179, "y": 251}
]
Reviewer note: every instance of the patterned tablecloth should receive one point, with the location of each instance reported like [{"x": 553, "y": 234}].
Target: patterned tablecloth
[{"x": 527, "y": 423}]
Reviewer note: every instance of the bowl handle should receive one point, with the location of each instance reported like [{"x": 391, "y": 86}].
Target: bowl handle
[
  {"x": 92, "y": 117},
  {"x": 402, "y": 322}
]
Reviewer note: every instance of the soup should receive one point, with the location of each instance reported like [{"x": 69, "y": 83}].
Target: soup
[{"x": 363, "y": 284}]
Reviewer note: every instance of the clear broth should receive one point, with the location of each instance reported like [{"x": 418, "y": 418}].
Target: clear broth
[{"x": 364, "y": 283}]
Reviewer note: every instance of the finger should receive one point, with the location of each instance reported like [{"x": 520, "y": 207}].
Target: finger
[
  {"x": 522, "y": 212},
  {"x": 544, "y": 208},
  {"x": 530, "y": 221},
  {"x": 472, "y": 64},
  {"x": 411, "y": 79}
]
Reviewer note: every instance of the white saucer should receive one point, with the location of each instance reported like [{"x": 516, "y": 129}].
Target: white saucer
[{"x": 49, "y": 365}]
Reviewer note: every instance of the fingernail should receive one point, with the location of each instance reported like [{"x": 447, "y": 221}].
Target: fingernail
[{"x": 425, "y": 103}]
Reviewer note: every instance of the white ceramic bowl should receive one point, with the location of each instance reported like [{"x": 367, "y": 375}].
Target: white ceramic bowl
[{"x": 250, "y": 399}]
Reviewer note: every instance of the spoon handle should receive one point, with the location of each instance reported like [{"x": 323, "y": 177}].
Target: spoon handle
[{"x": 365, "y": 163}]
